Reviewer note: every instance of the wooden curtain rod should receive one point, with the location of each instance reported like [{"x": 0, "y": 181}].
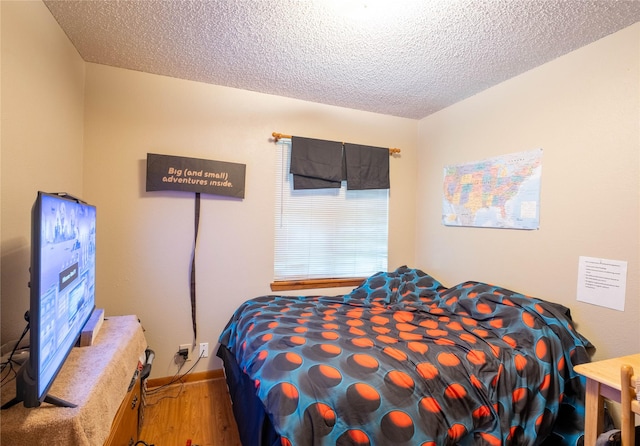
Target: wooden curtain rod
[{"x": 277, "y": 136}]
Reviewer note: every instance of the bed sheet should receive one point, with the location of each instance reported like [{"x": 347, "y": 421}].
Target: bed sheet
[{"x": 402, "y": 360}]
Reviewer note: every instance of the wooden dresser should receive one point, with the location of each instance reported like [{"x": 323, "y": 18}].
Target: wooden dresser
[
  {"x": 98, "y": 379},
  {"x": 125, "y": 426}
]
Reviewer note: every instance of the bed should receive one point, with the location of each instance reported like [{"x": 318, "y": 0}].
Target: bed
[{"x": 403, "y": 360}]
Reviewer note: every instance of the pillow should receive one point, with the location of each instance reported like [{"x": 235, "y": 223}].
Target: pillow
[
  {"x": 381, "y": 288},
  {"x": 416, "y": 285},
  {"x": 403, "y": 284}
]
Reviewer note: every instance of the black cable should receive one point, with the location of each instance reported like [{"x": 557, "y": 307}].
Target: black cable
[
  {"x": 174, "y": 379},
  {"x": 5, "y": 379},
  {"x": 193, "y": 267},
  {"x": 24, "y": 333},
  {"x": 9, "y": 362},
  {"x": 164, "y": 397}
]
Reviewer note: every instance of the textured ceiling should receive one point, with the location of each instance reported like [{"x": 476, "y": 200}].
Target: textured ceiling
[{"x": 404, "y": 58}]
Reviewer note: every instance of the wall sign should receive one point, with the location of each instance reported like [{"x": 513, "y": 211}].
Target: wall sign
[
  {"x": 602, "y": 282},
  {"x": 166, "y": 172}
]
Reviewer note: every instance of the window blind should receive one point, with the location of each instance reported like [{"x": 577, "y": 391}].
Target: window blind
[{"x": 327, "y": 233}]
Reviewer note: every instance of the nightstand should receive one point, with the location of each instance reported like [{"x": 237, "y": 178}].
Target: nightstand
[{"x": 603, "y": 381}]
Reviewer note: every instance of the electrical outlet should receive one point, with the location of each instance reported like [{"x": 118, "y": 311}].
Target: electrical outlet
[
  {"x": 204, "y": 350},
  {"x": 186, "y": 347}
]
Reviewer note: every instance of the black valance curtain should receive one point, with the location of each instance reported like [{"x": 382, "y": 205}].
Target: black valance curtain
[
  {"x": 316, "y": 164},
  {"x": 367, "y": 167},
  {"x": 320, "y": 164}
]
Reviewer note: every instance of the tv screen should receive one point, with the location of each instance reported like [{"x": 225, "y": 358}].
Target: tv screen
[{"x": 62, "y": 296}]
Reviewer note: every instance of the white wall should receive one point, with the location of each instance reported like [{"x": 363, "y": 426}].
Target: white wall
[
  {"x": 42, "y": 137},
  {"x": 583, "y": 110},
  {"x": 145, "y": 238}
]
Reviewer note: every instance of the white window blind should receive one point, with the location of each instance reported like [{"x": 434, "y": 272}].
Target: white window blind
[{"x": 327, "y": 233}]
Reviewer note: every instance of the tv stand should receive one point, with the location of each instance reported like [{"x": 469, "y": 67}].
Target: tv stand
[
  {"x": 97, "y": 379},
  {"x": 21, "y": 388},
  {"x": 47, "y": 399},
  {"x": 55, "y": 401}
]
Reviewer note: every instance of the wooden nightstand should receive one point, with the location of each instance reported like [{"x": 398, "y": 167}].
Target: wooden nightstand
[{"x": 603, "y": 381}]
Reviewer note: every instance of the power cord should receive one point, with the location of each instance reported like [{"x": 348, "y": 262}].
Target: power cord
[
  {"x": 175, "y": 378},
  {"x": 10, "y": 361}
]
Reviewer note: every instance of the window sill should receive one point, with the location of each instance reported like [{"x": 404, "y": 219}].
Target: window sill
[{"x": 284, "y": 285}]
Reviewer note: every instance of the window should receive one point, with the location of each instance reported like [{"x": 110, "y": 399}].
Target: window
[{"x": 327, "y": 233}]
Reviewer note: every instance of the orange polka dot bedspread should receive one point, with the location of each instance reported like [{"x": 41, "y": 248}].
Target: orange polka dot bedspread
[{"x": 403, "y": 360}]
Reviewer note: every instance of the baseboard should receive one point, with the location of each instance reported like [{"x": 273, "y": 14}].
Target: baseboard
[{"x": 191, "y": 377}]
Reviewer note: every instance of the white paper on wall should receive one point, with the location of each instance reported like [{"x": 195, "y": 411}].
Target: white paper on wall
[{"x": 602, "y": 282}]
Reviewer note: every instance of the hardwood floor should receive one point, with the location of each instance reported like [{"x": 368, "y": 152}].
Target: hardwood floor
[{"x": 199, "y": 411}]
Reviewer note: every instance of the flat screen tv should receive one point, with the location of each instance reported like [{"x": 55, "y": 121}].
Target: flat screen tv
[{"x": 62, "y": 291}]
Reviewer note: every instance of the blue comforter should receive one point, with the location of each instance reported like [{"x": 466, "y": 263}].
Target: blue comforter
[{"x": 402, "y": 360}]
